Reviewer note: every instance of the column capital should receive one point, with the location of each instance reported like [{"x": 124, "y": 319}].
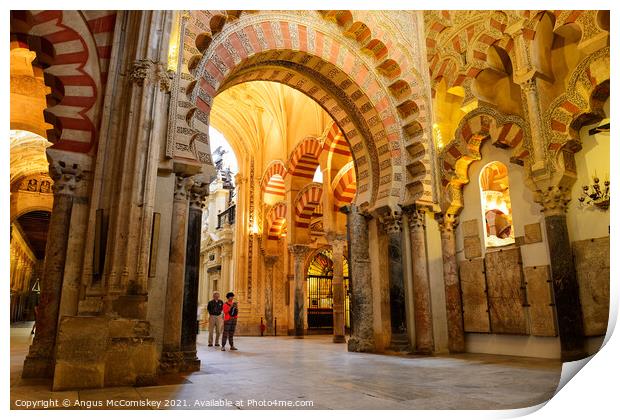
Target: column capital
[
  {"x": 182, "y": 185},
  {"x": 271, "y": 260},
  {"x": 448, "y": 222},
  {"x": 145, "y": 71},
  {"x": 65, "y": 176},
  {"x": 198, "y": 193},
  {"x": 416, "y": 216},
  {"x": 554, "y": 200},
  {"x": 298, "y": 250},
  {"x": 391, "y": 221}
]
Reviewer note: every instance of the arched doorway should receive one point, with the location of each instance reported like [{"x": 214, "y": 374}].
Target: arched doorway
[
  {"x": 28, "y": 241},
  {"x": 319, "y": 279}
]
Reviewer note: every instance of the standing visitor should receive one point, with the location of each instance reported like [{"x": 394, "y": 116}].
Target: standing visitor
[
  {"x": 230, "y": 320},
  {"x": 216, "y": 321}
]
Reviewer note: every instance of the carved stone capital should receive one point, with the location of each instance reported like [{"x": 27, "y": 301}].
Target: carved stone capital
[
  {"x": 416, "y": 217},
  {"x": 139, "y": 71},
  {"x": 392, "y": 221},
  {"x": 182, "y": 185},
  {"x": 448, "y": 222},
  {"x": 299, "y": 251},
  {"x": 145, "y": 71},
  {"x": 270, "y": 260},
  {"x": 165, "y": 79},
  {"x": 65, "y": 176},
  {"x": 198, "y": 192},
  {"x": 554, "y": 200}
]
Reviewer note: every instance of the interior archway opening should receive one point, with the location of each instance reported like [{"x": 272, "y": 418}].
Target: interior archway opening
[{"x": 283, "y": 194}]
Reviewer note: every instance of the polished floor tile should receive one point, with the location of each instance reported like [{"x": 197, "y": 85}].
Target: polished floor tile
[{"x": 283, "y": 372}]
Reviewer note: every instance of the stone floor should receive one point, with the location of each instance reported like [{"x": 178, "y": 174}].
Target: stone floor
[{"x": 317, "y": 372}]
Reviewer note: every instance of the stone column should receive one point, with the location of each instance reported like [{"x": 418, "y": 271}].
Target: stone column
[
  {"x": 299, "y": 253},
  {"x": 422, "y": 314},
  {"x": 270, "y": 262},
  {"x": 454, "y": 306},
  {"x": 362, "y": 335},
  {"x": 198, "y": 193},
  {"x": 391, "y": 223},
  {"x": 563, "y": 275},
  {"x": 525, "y": 74},
  {"x": 40, "y": 360},
  {"x": 226, "y": 283},
  {"x": 338, "y": 243},
  {"x": 172, "y": 357}
]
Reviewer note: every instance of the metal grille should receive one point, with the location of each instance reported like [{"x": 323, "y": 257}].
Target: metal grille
[{"x": 321, "y": 300}]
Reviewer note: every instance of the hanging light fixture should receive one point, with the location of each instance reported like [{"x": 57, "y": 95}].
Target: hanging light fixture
[{"x": 595, "y": 195}]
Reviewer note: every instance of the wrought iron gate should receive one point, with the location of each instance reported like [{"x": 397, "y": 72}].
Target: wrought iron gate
[{"x": 321, "y": 300}]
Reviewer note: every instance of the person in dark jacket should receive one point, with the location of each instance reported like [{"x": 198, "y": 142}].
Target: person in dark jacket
[
  {"x": 230, "y": 320},
  {"x": 216, "y": 318}
]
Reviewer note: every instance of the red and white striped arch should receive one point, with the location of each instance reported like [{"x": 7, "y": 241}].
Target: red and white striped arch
[
  {"x": 336, "y": 143},
  {"x": 277, "y": 221},
  {"x": 305, "y": 158},
  {"x": 223, "y": 48},
  {"x": 272, "y": 181},
  {"x": 476, "y": 127},
  {"x": 78, "y": 66},
  {"x": 344, "y": 186},
  {"x": 306, "y": 203}
]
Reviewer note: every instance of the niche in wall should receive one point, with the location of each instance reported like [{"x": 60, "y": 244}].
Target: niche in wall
[{"x": 496, "y": 205}]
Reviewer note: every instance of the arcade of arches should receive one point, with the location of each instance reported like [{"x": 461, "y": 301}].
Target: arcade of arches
[{"x": 408, "y": 182}]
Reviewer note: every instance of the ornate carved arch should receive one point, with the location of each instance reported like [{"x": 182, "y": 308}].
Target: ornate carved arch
[
  {"x": 476, "y": 127},
  {"x": 291, "y": 48},
  {"x": 580, "y": 105},
  {"x": 75, "y": 48}
]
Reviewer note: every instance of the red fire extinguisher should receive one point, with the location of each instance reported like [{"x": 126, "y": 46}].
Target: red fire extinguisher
[{"x": 263, "y": 327}]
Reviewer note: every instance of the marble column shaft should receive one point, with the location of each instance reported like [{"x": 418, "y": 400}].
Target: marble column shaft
[
  {"x": 398, "y": 312},
  {"x": 299, "y": 254},
  {"x": 176, "y": 273},
  {"x": 565, "y": 288},
  {"x": 338, "y": 246},
  {"x": 270, "y": 262},
  {"x": 198, "y": 193},
  {"x": 454, "y": 306},
  {"x": 423, "y": 317},
  {"x": 39, "y": 362},
  {"x": 362, "y": 334}
]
